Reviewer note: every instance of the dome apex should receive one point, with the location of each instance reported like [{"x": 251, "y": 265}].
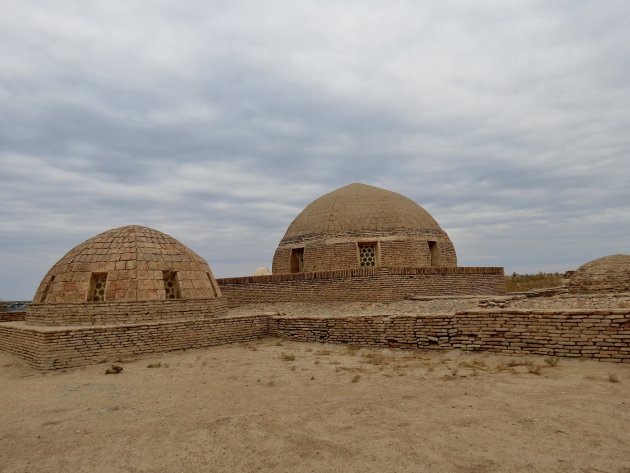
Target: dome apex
[{"x": 360, "y": 208}]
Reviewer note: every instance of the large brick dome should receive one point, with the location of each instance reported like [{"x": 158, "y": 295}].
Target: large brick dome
[
  {"x": 132, "y": 263},
  {"x": 607, "y": 274},
  {"x": 361, "y": 225}
]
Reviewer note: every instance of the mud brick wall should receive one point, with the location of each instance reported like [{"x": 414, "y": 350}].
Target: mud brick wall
[
  {"x": 54, "y": 348},
  {"x": 105, "y": 313},
  {"x": 335, "y": 252},
  {"x": 368, "y": 284},
  {"x": 600, "y": 334},
  {"x": 12, "y": 316}
]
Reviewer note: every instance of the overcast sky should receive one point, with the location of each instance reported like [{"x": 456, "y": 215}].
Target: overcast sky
[{"x": 218, "y": 121}]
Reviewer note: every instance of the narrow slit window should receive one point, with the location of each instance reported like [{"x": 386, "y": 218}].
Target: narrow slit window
[
  {"x": 97, "y": 287},
  {"x": 297, "y": 260},
  {"x": 47, "y": 289},
  {"x": 171, "y": 285},
  {"x": 367, "y": 255},
  {"x": 434, "y": 250}
]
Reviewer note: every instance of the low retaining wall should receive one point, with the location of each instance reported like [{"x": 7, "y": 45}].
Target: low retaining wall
[
  {"x": 53, "y": 348},
  {"x": 109, "y": 313},
  {"x": 363, "y": 285},
  {"x": 602, "y": 334}
]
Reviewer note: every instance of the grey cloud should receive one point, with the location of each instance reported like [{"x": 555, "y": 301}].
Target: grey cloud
[{"x": 218, "y": 122}]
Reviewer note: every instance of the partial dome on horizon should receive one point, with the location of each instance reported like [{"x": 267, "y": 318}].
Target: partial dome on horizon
[
  {"x": 262, "y": 271},
  {"x": 132, "y": 263},
  {"x": 607, "y": 274},
  {"x": 361, "y": 225}
]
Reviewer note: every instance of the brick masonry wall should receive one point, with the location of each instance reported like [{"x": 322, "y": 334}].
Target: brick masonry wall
[
  {"x": 368, "y": 284},
  {"x": 12, "y": 316},
  {"x": 600, "y": 334},
  {"x": 334, "y": 252},
  {"x": 104, "y": 313},
  {"x": 54, "y": 348}
]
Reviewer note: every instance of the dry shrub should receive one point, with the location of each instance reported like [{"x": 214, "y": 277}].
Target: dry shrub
[
  {"x": 353, "y": 349},
  {"x": 114, "y": 369},
  {"x": 355, "y": 378},
  {"x": 375, "y": 359},
  {"x": 534, "y": 369},
  {"x": 613, "y": 378},
  {"x": 287, "y": 357},
  {"x": 552, "y": 360},
  {"x": 474, "y": 365},
  {"x": 527, "y": 282},
  {"x": 500, "y": 367}
]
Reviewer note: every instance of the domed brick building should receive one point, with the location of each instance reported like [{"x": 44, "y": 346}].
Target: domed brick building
[
  {"x": 114, "y": 276},
  {"x": 362, "y": 226},
  {"x": 607, "y": 274}
]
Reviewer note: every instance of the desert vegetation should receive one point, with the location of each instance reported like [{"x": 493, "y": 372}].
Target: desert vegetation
[{"x": 527, "y": 282}]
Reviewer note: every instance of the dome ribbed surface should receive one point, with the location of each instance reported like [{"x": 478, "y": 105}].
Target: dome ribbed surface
[
  {"x": 136, "y": 262},
  {"x": 607, "y": 274},
  {"x": 360, "y": 208}
]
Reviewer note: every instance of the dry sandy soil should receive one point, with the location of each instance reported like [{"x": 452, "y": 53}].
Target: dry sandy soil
[{"x": 295, "y": 407}]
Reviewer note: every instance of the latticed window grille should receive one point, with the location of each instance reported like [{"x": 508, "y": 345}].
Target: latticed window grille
[
  {"x": 170, "y": 285},
  {"x": 367, "y": 255},
  {"x": 97, "y": 287}
]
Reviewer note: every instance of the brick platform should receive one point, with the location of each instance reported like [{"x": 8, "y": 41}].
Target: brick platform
[
  {"x": 600, "y": 334},
  {"x": 48, "y": 348},
  {"x": 363, "y": 285},
  {"x": 123, "y": 312}
]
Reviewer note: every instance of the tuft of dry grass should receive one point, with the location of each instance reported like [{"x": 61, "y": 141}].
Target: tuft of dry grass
[
  {"x": 613, "y": 378},
  {"x": 355, "y": 378},
  {"x": 474, "y": 365},
  {"x": 534, "y": 369},
  {"x": 375, "y": 359},
  {"x": 323, "y": 352},
  {"x": 114, "y": 369},
  {"x": 552, "y": 361},
  {"x": 353, "y": 349},
  {"x": 287, "y": 357}
]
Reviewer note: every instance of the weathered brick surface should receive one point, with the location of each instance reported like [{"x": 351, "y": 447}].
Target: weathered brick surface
[
  {"x": 55, "y": 348},
  {"x": 608, "y": 274},
  {"x": 135, "y": 259},
  {"x": 368, "y": 284},
  {"x": 123, "y": 312},
  {"x": 12, "y": 316},
  {"x": 330, "y": 228},
  {"x": 600, "y": 334}
]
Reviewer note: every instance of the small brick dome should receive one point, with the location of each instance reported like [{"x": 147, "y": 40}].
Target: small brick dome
[
  {"x": 361, "y": 225},
  {"x": 132, "y": 263},
  {"x": 607, "y": 274}
]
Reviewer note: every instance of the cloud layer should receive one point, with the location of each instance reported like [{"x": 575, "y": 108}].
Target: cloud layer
[{"x": 217, "y": 122}]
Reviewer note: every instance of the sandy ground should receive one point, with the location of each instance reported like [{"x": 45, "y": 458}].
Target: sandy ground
[{"x": 296, "y": 407}]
